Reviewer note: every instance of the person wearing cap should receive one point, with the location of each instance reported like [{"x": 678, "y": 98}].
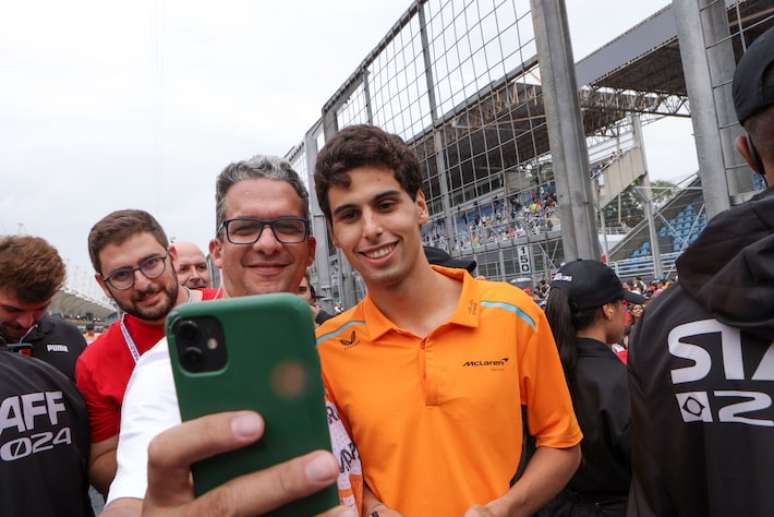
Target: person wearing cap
[
  {"x": 585, "y": 310},
  {"x": 701, "y": 360},
  {"x": 439, "y": 257}
]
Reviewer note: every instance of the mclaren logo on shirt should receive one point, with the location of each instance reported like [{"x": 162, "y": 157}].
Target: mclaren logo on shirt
[{"x": 497, "y": 363}]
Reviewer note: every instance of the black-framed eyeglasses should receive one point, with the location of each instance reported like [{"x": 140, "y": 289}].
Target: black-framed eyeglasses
[
  {"x": 151, "y": 267},
  {"x": 247, "y": 230}
]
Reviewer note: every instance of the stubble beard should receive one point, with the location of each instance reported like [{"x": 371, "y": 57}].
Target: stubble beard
[
  {"x": 170, "y": 293},
  {"x": 11, "y": 333}
]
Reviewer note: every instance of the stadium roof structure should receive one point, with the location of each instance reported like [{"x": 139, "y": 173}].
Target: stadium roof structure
[
  {"x": 640, "y": 71},
  {"x": 70, "y": 301},
  {"x": 646, "y": 58}
]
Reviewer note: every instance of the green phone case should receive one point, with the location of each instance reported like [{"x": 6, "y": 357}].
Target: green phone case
[{"x": 270, "y": 345}]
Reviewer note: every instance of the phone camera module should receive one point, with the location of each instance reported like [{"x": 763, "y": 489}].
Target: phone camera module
[
  {"x": 200, "y": 344},
  {"x": 188, "y": 330},
  {"x": 193, "y": 359}
]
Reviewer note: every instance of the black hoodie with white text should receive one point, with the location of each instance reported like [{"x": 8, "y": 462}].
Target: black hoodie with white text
[{"x": 701, "y": 374}]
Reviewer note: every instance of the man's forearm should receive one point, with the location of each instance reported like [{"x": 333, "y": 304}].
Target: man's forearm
[
  {"x": 102, "y": 471},
  {"x": 546, "y": 474},
  {"x": 102, "y": 463}
]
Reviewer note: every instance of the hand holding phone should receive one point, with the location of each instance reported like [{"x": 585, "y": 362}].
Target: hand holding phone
[{"x": 256, "y": 353}]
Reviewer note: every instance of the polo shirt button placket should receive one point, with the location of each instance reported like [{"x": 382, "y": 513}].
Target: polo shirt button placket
[{"x": 428, "y": 380}]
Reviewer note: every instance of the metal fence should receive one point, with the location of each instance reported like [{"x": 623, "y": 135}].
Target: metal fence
[{"x": 460, "y": 82}]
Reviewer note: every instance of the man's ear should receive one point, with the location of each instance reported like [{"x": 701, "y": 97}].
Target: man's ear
[
  {"x": 743, "y": 148},
  {"x": 216, "y": 251},
  {"x": 173, "y": 255},
  {"x": 103, "y": 285},
  {"x": 312, "y": 243},
  {"x": 421, "y": 204}
]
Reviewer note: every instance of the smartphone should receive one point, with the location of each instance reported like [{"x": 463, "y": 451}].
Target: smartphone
[{"x": 257, "y": 353}]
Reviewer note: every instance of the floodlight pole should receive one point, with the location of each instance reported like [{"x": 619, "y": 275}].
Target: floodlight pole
[{"x": 567, "y": 139}]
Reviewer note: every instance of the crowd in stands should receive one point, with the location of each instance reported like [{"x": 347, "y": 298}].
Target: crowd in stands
[{"x": 528, "y": 213}]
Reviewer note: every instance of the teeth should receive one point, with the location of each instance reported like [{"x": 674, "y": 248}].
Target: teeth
[{"x": 381, "y": 252}]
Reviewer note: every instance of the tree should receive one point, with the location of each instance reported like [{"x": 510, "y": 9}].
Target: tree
[{"x": 632, "y": 211}]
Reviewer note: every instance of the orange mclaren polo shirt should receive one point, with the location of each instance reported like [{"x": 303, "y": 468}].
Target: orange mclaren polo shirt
[{"x": 437, "y": 420}]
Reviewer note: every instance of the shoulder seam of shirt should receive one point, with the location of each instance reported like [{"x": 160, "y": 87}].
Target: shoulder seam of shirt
[
  {"x": 511, "y": 308},
  {"x": 339, "y": 330}
]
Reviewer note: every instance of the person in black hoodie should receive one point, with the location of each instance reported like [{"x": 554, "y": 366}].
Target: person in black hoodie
[
  {"x": 44, "y": 441},
  {"x": 701, "y": 361},
  {"x": 585, "y": 310},
  {"x": 31, "y": 272}
]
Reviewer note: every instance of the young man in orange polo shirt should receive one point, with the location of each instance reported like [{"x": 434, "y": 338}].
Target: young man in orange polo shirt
[{"x": 430, "y": 371}]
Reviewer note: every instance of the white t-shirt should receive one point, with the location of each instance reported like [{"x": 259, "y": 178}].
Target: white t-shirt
[{"x": 150, "y": 407}]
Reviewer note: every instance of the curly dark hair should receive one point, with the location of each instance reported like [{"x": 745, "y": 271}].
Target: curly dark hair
[{"x": 358, "y": 146}]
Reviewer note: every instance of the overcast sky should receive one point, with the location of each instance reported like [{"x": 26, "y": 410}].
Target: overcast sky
[{"x": 108, "y": 105}]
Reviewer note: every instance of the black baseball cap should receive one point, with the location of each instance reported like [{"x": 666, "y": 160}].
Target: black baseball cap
[
  {"x": 590, "y": 284},
  {"x": 752, "y": 94},
  {"x": 440, "y": 257}
]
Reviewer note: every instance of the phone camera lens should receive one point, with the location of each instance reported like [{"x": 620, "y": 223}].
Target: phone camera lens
[
  {"x": 193, "y": 359},
  {"x": 188, "y": 330}
]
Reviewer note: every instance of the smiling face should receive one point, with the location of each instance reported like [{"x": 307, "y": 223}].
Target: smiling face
[
  {"x": 376, "y": 224},
  {"x": 191, "y": 266},
  {"x": 147, "y": 299},
  {"x": 268, "y": 265}
]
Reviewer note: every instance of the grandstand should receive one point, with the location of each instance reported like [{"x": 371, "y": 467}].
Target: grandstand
[
  {"x": 461, "y": 83},
  {"x": 81, "y": 299}
]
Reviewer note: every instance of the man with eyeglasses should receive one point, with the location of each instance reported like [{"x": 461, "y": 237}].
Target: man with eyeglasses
[
  {"x": 133, "y": 264},
  {"x": 262, "y": 245}
]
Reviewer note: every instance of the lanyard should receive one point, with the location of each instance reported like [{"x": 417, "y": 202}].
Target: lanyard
[
  {"x": 129, "y": 341},
  {"x": 128, "y": 337}
]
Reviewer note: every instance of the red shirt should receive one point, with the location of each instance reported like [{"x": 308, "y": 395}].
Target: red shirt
[{"x": 103, "y": 370}]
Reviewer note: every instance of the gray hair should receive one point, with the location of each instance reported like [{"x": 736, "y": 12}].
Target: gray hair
[{"x": 259, "y": 166}]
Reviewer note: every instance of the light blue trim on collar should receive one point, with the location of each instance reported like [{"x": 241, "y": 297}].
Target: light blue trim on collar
[
  {"x": 331, "y": 335},
  {"x": 512, "y": 308}
]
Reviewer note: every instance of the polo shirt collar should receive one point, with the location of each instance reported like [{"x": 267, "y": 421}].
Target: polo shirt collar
[{"x": 466, "y": 314}]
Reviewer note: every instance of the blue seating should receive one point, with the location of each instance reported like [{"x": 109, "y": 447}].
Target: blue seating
[{"x": 683, "y": 228}]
